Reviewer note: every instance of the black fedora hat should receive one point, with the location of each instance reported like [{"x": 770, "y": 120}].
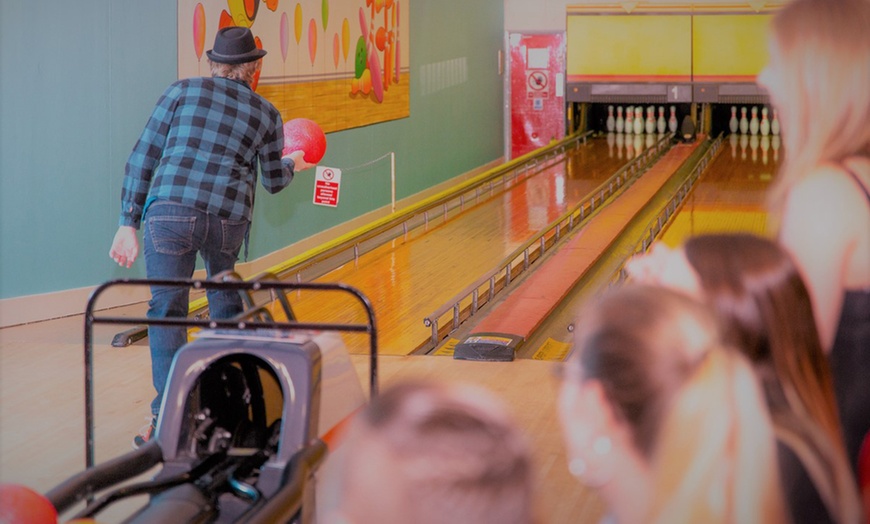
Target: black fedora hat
[{"x": 234, "y": 45}]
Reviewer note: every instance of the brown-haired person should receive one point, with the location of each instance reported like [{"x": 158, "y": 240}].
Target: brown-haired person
[
  {"x": 666, "y": 423},
  {"x": 434, "y": 453},
  {"x": 765, "y": 311},
  {"x": 818, "y": 79}
]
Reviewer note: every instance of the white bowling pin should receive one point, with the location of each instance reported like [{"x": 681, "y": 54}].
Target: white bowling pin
[
  {"x": 765, "y": 147},
  {"x": 650, "y": 126},
  {"x": 611, "y": 121},
  {"x": 744, "y": 122},
  {"x": 672, "y": 120},
  {"x": 733, "y": 124},
  {"x": 774, "y": 124},
  {"x": 661, "y": 123},
  {"x": 629, "y": 120},
  {"x": 764, "y": 127},
  {"x": 753, "y": 122},
  {"x": 620, "y": 122},
  {"x": 638, "y": 120}
]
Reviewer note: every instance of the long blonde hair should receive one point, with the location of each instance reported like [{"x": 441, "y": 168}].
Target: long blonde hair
[
  {"x": 824, "y": 52},
  {"x": 716, "y": 459},
  {"x": 692, "y": 406}
]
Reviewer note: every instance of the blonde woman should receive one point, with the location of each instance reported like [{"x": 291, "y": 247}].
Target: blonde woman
[
  {"x": 818, "y": 79},
  {"x": 662, "y": 420}
]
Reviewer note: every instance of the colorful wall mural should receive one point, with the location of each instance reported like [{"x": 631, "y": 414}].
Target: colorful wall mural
[{"x": 342, "y": 63}]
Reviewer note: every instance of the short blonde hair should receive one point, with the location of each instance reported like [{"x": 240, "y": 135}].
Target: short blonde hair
[
  {"x": 824, "y": 48},
  {"x": 242, "y": 72}
]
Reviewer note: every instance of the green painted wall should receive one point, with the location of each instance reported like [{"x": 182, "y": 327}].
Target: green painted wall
[{"x": 79, "y": 79}]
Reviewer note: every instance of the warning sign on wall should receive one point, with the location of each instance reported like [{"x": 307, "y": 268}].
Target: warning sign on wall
[
  {"x": 538, "y": 83},
  {"x": 327, "y": 182}
]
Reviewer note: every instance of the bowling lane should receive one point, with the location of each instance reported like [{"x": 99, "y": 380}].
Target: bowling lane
[
  {"x": 410, "y": 277},
  {"x": 730, "y": 195}
]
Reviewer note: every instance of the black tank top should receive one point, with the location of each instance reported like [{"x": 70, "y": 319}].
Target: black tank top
[{"x": 850, "y": 364}]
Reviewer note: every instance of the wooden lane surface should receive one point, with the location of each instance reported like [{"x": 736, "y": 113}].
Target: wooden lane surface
[
  {"x": 410, "y": 277},
  {"x": 527, "y": 306},
  {"x": 730, "y": 195}
]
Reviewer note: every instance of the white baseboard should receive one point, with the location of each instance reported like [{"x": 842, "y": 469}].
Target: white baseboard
[{"x": 47, "y": 306}]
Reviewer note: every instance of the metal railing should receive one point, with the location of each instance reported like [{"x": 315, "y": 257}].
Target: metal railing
[
  {"x": 657, "y": 225},
  {"x": 437, "y": 208},
  {"x": 467, "y": 302}
]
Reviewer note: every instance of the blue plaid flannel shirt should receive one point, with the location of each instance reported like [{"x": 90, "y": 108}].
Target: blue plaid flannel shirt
[{"x": 201, "y": 147}]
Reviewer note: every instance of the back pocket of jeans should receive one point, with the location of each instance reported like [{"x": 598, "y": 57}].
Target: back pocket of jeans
[
  {"x": 172, "y": 235},
  {"x": 233, "y": 235}
]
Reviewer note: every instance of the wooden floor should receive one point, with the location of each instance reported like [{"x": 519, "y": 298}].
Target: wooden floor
[
  {"x": 41, "y": 365},
  {"x": 419, "y": 273}
]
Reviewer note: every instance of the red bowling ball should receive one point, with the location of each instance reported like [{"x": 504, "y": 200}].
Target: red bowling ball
[
  {"x": 305, "y": 135},
  {"x": 22, "y": 505}
]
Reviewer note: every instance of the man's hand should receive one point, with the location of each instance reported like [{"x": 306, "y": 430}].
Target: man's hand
[
  {"x": 125, "y": 246},
  {"x": 299, "y": 162}
]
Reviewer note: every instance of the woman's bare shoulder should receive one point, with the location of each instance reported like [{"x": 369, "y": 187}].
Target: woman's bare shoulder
[{"x": 829, "y": 185}]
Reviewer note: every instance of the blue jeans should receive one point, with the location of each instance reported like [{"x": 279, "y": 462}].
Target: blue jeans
[{"x": 173, "y": 234}]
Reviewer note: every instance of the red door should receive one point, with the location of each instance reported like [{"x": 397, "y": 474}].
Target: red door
[{"x": 536, "y": 90}]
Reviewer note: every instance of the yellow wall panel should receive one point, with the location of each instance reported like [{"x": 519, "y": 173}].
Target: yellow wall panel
[
  {"x": 729, "y": 48},
  {"x": 627, "y": 48}
]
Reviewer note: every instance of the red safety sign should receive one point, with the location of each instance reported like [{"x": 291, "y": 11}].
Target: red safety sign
[{"x": 327, "y": 182}]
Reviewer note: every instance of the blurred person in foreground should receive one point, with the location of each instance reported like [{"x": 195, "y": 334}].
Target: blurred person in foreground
[
  {"x": 765, "y": 312},
  {"x": 818, "y": 79},
  {"x": 661, "y": 419},
  {"x": 433, "y": 453}
]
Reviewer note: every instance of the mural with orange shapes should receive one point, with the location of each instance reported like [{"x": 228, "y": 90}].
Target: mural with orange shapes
[{"x": 309, "y": 70}]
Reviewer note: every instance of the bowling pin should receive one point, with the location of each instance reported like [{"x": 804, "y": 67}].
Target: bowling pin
[
  {"x": 629, "y": 120},
  {"x": 764, "y": 127},
  {"x": 753, "y": 122},
  {"x": 650, "y": 126},
  {"x": 611, "y": 121},
  {"x": 672, "y": 120},
  {"x": 661, "y": 123},
  {"x": 611, "y": 140},
  {"x": 733, "y": 124},
  {"x": 638, "y": 120},
  {"x": 765, "y": 147},
  {"x": 620, "y": 122},
  {"x": 774, "y": 144},
  {"x": 753, "y": 145},
  {"x": 732, "y": 138},
  {"x": 744, "y": 122},
  {"x": 774, "y": 124},
  {"x": 744, "y": 141}
]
